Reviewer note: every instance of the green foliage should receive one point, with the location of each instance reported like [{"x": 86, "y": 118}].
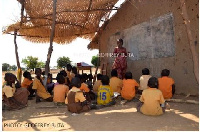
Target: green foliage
[
  {"x": 94, "y": 60},
  {"x": 63, "y": 61},
  {"x": 5, "y": 67},
  {"x": 13, "y": 67},
  {"x": 40, "y": 64},
  {"x": 32, "y": 62}
]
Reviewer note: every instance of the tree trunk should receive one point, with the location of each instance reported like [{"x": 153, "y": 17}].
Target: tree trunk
[
  {"x": 47, "y": 69},
  {"x": 19, "y": 71},
  {"x": 191, "y": 40}
]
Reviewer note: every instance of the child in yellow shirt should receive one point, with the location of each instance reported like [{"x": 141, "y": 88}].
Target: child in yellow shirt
[
  {"x": 115, "y": 82},
  {"x": 105, "y": 93},
  {"x": 39, "y": 87},
  {"x": 129, "y": 87},
  {"x": 166, "y": 84},
  {"x": 75, "y": 100},
  {"x": 14, "y": 98},
  {"x": 152, "y": 101}
]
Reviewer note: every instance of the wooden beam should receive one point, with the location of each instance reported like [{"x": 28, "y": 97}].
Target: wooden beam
[
  {"x": 91, "y": 10},
  {"x": 47, "y": 36},
  {"x": 191, "y": 40},
  {"x": 38, "y": 26},
  {"x": 47, "y": 69}
]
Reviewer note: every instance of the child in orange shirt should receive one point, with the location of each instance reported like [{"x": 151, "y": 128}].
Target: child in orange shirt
[
  {"x": 28, "y": 83},
  {"x": 60, "y": 90},
  {"x": 166, "y": 84},
  {"x": 129, "y": 87},
  {"x": 84, "y": 87}
]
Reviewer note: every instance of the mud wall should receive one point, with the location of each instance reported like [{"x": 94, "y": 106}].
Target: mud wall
[{"x": 135, "y": 12}]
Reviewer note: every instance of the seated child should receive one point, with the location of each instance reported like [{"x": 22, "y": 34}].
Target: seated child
[
  {"x": 97, "y": 83},
  {"x": 129, "y": 87},
  {"x": 144, "y": 80},
  {"x": 60, "y": 90},
  {"x": 50, "y": 83},
  {"x": 105, "y": 93},
  {"x": 151, "y": 99},
  {"x": 67, "y": 81},
  {"x": 89, "y": 81},
  {"x": 74, "y": 72},
  {"x": 14, "y": 98},
  {"x": 166, "y": 84},
  {"x": 5, "y": 79},
  {"x": 75, "y": 100},
  {"x": 28, "y": 83},
  {"x": 39, "y": 87},
  {"x": 115, "y": 82},
  {"x": 84, "y": 87},
  {"x": 69, "y": 69}
]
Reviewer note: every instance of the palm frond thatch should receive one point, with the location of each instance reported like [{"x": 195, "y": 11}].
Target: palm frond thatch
[{"x": 74, "y": 18}]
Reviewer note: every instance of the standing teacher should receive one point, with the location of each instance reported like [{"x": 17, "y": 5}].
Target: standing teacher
[{"x": 120, "y": 63}]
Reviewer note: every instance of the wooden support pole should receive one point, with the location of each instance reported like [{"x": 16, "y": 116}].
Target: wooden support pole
[
  {"x": 47, "y": 69},
  {"x": 191, "y": 40},
  {"x": 19, "y": 71}
]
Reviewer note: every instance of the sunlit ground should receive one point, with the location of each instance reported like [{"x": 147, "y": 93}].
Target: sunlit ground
[{"x": 180, "y": 117}]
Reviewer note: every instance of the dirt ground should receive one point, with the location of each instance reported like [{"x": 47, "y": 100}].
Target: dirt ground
[{"x": 45, "y": 116}]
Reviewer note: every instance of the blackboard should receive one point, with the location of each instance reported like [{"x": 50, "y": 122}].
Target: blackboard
[{"x": 150, "y": 39}]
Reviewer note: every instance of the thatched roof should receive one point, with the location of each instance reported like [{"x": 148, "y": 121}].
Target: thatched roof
[
  {"x": 74, "y": 18},
  {"x": 94, "y": 44}
]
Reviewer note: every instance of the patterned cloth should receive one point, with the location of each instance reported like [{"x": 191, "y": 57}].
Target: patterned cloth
[{"x": 120, "y": 63}]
